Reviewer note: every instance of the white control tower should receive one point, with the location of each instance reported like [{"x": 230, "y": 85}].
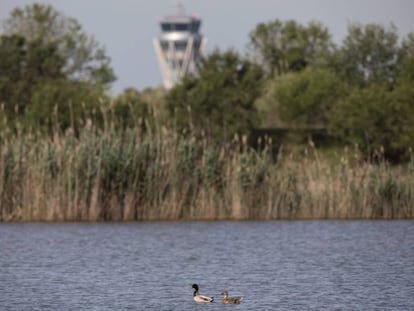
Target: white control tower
[{"x": 178, "y": 46}]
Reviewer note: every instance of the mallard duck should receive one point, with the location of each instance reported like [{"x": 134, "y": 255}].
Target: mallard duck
[
  {"x": 231, "y": 300},
  {"x": 200, "y": 298}
]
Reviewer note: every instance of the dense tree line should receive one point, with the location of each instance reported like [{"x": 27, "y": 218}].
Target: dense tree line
[
  {"x": 361, "y": 92},
  {"x": 219, "y": 103}
]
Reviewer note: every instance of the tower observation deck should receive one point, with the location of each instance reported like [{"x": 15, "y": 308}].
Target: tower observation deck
[{"x": 178, "y": 46}]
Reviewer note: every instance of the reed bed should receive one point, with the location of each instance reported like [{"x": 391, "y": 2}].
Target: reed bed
[{"x": 128, "y": 175}]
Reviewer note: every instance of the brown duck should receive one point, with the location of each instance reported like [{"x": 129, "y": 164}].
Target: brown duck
[{"x": 230, "y": 300}]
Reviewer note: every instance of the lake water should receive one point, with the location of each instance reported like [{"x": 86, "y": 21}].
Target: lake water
[{"x": 297, "y": 265}]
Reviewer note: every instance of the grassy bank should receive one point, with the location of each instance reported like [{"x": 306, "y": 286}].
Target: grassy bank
[{"x": 102, "y": 176}]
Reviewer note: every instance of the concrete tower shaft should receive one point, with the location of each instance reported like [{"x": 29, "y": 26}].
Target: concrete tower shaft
[{"x": 178, "y": 46}]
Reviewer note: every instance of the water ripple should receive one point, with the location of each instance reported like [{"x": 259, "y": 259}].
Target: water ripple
[{"x": 312, "y": 265}]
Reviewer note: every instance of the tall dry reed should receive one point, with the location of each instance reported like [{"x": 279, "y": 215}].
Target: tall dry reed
[{"x": 128, "y": 175}]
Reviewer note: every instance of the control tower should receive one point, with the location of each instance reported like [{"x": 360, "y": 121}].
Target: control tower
[{"x": 178, "y": 46}]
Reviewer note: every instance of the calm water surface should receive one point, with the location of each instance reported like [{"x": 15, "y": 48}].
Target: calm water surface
[{"x": 311, "y": 265}]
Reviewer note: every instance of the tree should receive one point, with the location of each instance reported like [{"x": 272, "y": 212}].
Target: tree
[
  {"x": 85, "y": 60},
  {"x": 406, "y": 59},
  {"x": 376, "y": 119},
  {"x": 369, "y": 54},
  {"x": 379, "y": 112},
  {"x": 23, "y": 65},
  {"x": 58, "y": 104},
  {"x": 220, "y": 102},
  {"x": 288, "y": 46},
  {"x": 48, "y": 64},
  {"x": 306, "y": 98},
  {"x": 131, "y": 110}
]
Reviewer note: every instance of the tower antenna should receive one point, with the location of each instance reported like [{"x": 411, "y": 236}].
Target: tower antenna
[{"x": 179, "y": 8}]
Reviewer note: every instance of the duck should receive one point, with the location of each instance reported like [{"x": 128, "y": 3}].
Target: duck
[
  {"x": 200, "y": 298},
  {"x": 230, "y": 300}
]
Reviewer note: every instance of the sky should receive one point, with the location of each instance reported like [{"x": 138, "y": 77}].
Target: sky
[{"x": 126, "y": 28}]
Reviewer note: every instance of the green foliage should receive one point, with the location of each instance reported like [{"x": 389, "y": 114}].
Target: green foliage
[
  {"x": 379, "y": 113},
  {"x": 23, "y": 64},
  {"x": 50, "y": 71},
  {"x": 61, "y": 103},
  {"x": 130, "y": 109},
  {"x": 220, "y": 102},
  {"x": 378, "y": 120},
  {"x": 306, "y": 98},
  {"x": 84, "y": 60},
  {"x": 289, "y": 46},
  {"x": 407, "y": 60},
  {"x": 369, "y": 54},
  {"x": 361, "y": 91}
]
